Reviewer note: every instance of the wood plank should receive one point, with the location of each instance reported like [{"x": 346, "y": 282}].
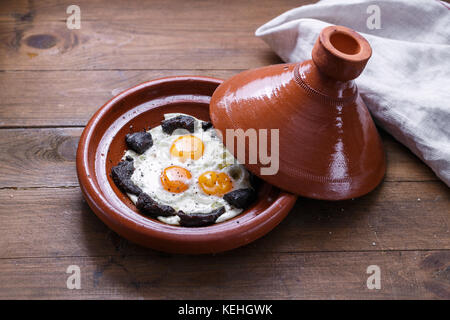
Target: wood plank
[
  {"x": 332, "y": 275},
  {"x": 45, "y": 157},
  {"x": 38, "y": 157},
  {"x": 148, "y": 35},
  {"x": 74, "y": 95},
  {"x": 100, "y": 45},
  {"x": 56, "y": 222}
]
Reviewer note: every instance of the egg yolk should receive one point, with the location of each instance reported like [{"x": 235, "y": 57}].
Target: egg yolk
[
  {"x": 187, "y": 147},
  {"x": 175, "y": 179},
  {"x": 215, "y": 183}
]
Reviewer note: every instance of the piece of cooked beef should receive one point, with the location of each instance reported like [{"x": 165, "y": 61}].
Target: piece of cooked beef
[
  {"x": 206, "y": 125},
  {"x": 139, "y": 141},
  {"x": 183, "y": 122},
  {"x": 199, "y": 219},
  {"x": 121, "y": 175},
  {"x": 240, "y": 198},
  {"x": 150, "y": 207}
]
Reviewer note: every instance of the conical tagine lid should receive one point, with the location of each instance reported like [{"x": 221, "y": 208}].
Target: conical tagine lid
[{"x": 303, "y": 127}]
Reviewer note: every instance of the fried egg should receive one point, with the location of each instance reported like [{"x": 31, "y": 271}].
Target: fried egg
[{"x": 188, "y": 171}]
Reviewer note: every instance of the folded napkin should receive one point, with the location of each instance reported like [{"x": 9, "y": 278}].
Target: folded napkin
[{"x": 406, "y": 83}]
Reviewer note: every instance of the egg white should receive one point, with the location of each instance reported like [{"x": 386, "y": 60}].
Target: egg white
[{"x": 216, "y": 157}]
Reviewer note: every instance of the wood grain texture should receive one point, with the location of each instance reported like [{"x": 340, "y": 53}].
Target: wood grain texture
[
  {"x": 236, "y": 275},
  {"x": 56, "y": 222}
]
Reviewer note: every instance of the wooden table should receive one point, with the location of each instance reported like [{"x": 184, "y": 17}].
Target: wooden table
[{"x": 53, "y": 79}]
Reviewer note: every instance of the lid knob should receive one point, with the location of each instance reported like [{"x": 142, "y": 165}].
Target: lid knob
[{"x": 341, "y": 53}]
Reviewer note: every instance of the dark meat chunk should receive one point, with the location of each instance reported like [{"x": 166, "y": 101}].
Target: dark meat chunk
[
  {"x": 206, "y": 125},
  {"x": 255, "y": 181},
  {"x": 240, "y": 198},
  {"x": 150, "y": 207},
  {"x": 184, "y": 122},
  {"x": 121, "y": 175},
  {"x": 200, "y": 219},
  {"x": 139, "y": 141}
]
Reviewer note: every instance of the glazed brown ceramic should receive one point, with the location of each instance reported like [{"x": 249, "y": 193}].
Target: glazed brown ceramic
[
  {"x": 329, "y": 147},
  {"x": 102, "y": 145}
]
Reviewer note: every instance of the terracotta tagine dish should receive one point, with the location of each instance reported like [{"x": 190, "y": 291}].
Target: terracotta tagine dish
[
  {"x": 102, "y": 145},
  {"x": 329, "y": 147}
]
